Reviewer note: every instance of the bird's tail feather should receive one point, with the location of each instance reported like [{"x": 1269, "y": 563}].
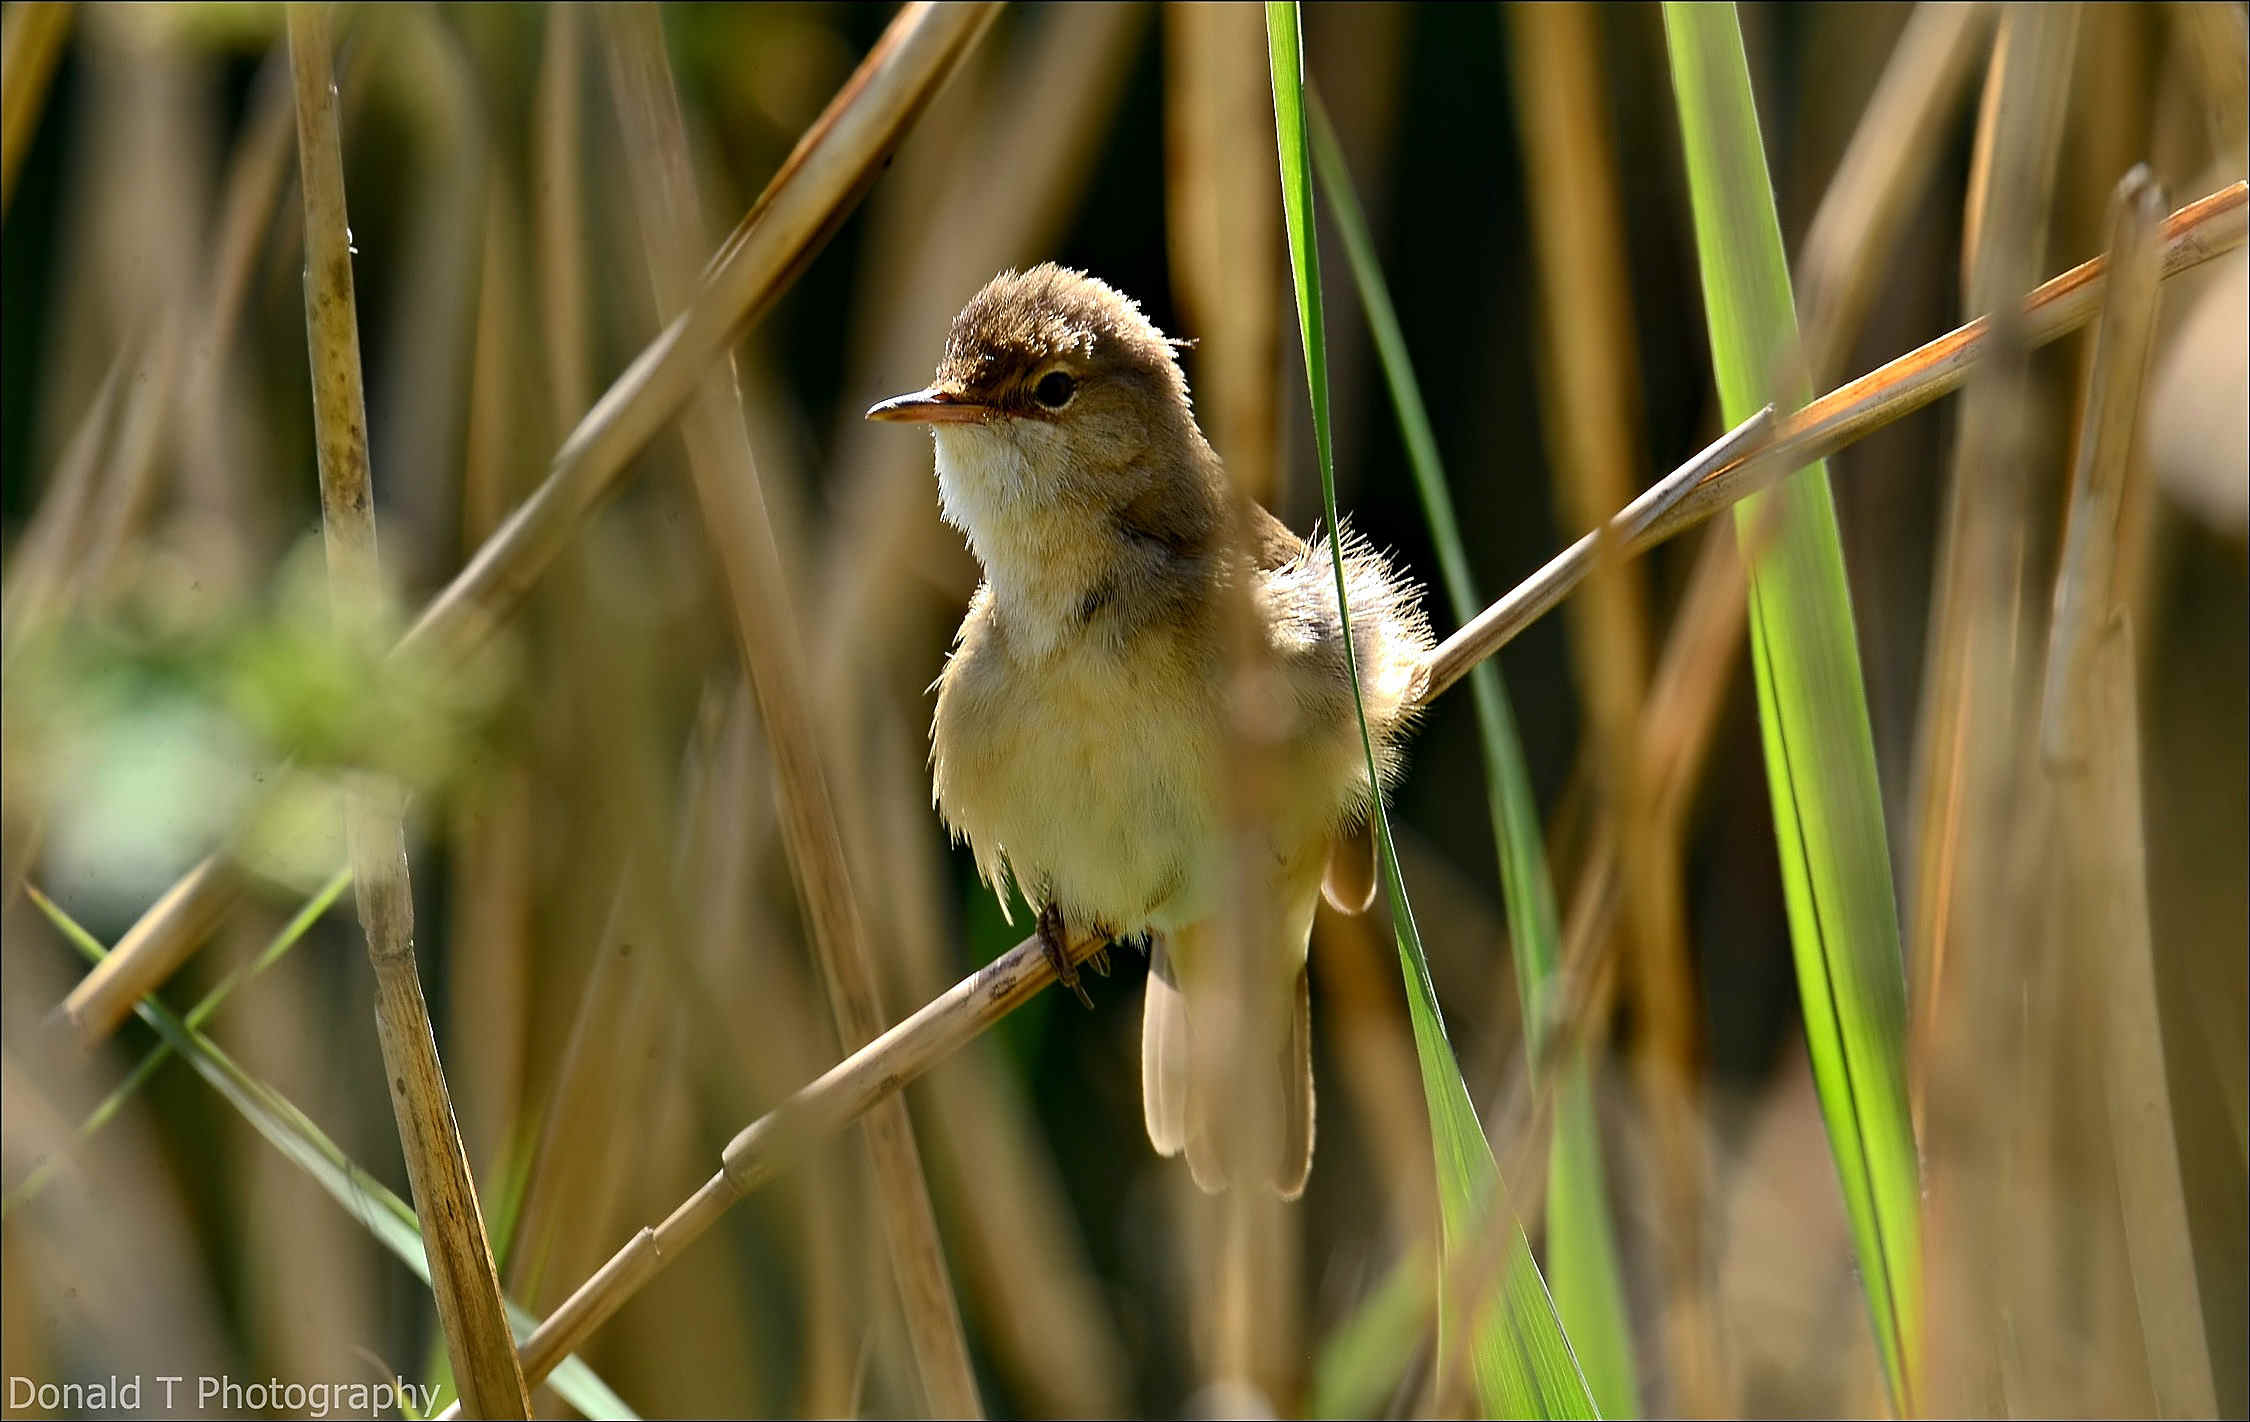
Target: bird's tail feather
[{"x": 1255, "y": 1126}]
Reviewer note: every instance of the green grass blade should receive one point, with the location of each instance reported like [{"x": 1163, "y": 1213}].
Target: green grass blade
[
  {"x": 1820, "y": 753},
  {"x": 363, "y": 1197},
  {"x": 1362, "y": 1359},
  {"x": 1581, "y": 1254},
  {"x": 288, "y": 938},
  {"x": 1522, "y": 1361}
]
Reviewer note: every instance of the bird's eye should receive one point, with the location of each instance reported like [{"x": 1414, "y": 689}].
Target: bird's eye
[{"x": 1054, "y": 389}]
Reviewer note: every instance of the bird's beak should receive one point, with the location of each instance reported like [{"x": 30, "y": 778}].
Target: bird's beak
[{"x": 931, "y": 406}]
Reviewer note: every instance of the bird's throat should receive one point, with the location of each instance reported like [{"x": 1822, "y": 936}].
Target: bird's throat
[{"x": 1044, "y": 558}]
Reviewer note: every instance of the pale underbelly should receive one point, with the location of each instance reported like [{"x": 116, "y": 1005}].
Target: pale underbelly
[{"x": 1104, "y": 810}]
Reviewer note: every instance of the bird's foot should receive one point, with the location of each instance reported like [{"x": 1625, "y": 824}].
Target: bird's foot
[
  {"x": 1098, "y": 960},
  {"x": 1056, "y": 944}
]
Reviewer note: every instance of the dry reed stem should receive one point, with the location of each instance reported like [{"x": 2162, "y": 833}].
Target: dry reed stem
[
  {"x": 1968, "y": 958},
  {"x": 228, "y": 520},
  {"x": 768, "y": 1145},
  {"x": 186, "y": 914},
  {"x": 559, "y": 192},
  {"x": 1226, "y": 254},
  {"x": 830, "y": 168},
  {"x": 819, "y": 1216},
  {"x": 491, "y": 824},
  {"x": 1747, "y": 459},
  {"x": 987, "y": 182},
  {"x": 462, "y": 1277},
  {"x": 2089, "y": 738},
  {"x": 1591, "y": 404},
  {"x": 1969, "y": 690},
  {"x": 1894, "y": 148},
  {"x": 742, "y": 542},
  {"x": 46, "y": 556},
  {"x": 989, "y": 178},
  {"x": 158, "y": 942},
  {"x": 1631, "y": 529},
  {"x": 1673, "y": 735},
  {"x": 804, "y": 203},
  {"x": 2088, "y": 589},
  {"x": 1026, "y": 1277},
  {"x": 31, "y": 40}
]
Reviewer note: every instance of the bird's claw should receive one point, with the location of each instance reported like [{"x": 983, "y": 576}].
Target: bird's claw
[{"x": 1056, "y": 945}]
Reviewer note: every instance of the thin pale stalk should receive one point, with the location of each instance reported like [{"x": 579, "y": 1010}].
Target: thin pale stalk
[
  {"x": 821, "y": 1213},
  {"x": 802, "y": 206},
  {"x": 419, "y": 413},
  {"x": 741, "y": 539},
  {"x": 492, "y": 825},
  {"x": 1591, "y": 399},
  {"x": 47, "y": 554},
  {"x": 467, "y": 1288},
  {"x": 559, "y": 188},
  {"x": 98, "y": 1002},
  {"x": 2090, "y": 752},
  {"x": 1974, "y": 1029},
  {"x": 1895, "y": 147},
  {"x": 595, "y": 1097},
  {"x": 1240, "y": 1262},
  {"x": 1969, "y": 686},
  {"x": 219, "y": 497},
  {"x": 1225, "y": 253}
]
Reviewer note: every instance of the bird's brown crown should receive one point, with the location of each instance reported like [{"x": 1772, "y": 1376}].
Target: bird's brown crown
[{"x": 1023, "y": 321}]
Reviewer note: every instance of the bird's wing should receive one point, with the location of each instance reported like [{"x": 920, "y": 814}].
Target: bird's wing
[{"x": 1271, "y": 542}]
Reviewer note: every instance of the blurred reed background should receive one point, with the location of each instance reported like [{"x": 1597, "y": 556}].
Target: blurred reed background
[{"x": 624, "y": 958}]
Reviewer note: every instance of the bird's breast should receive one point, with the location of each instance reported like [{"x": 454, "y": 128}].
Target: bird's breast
[{"x": 1086, "y": 774}]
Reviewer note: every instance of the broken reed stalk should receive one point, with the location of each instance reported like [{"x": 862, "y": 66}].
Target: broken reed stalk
[
  {"x": 1758, "y": 452},
  {"x": 2090, "y": 756},
  {"x": 828, "y": 171},
  {"x": 467, "y": 1287},
  {"x": 741, "y": 539}
]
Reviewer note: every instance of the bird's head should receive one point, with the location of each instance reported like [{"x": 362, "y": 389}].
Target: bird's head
[{"x": 1054, "y": 392}]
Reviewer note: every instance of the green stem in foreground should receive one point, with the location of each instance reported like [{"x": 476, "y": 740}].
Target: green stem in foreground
[
  {"x": 1523, "y": 1362},
  {"x": 1580, "y": 1248},
  {"x": 1820, "y": 751}
]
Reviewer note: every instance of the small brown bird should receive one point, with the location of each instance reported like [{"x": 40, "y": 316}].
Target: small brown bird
[{"x": 1080, "y": 738}]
